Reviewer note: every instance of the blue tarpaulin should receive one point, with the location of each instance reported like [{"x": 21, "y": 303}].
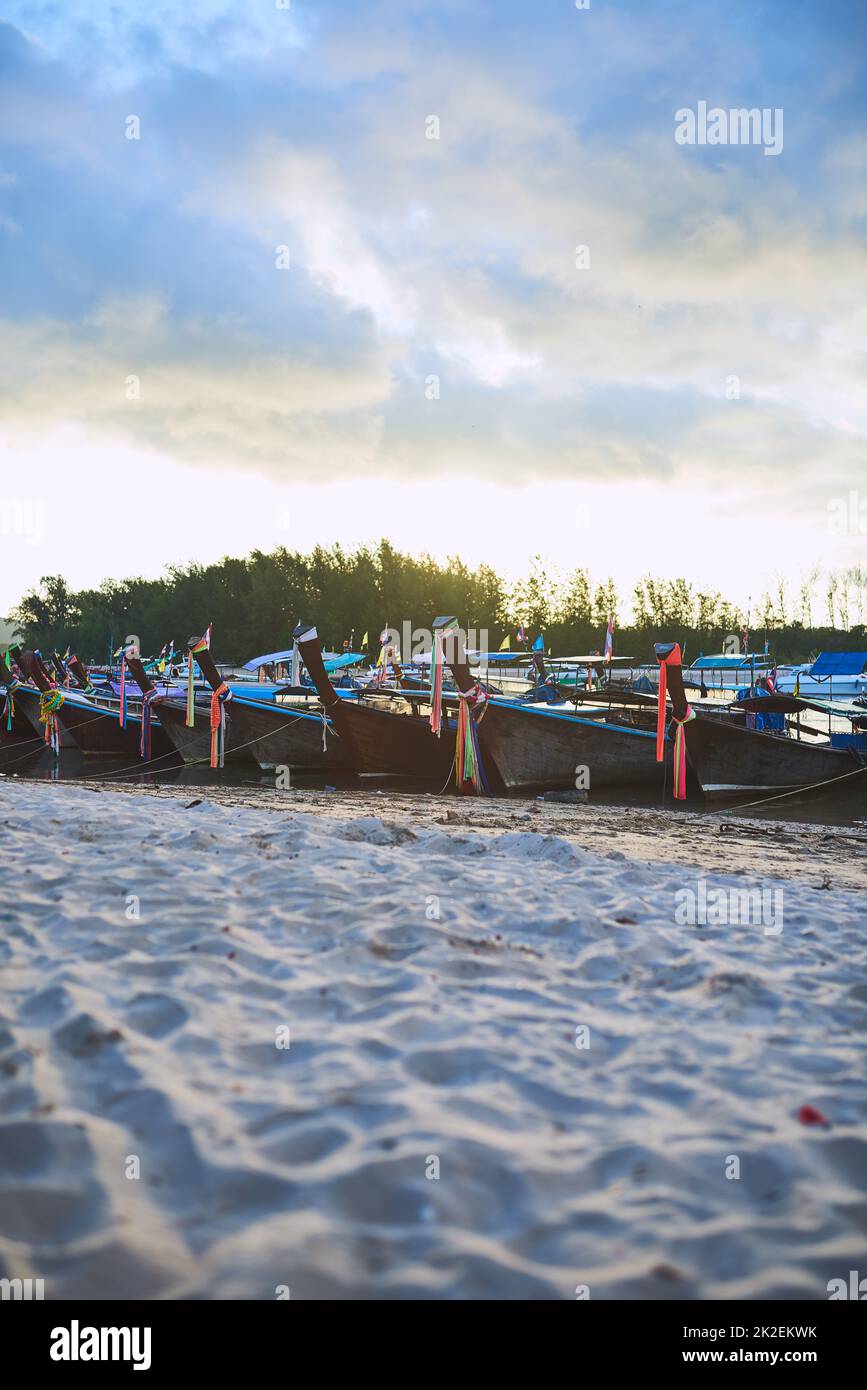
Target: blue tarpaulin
[
  {"x": 725, "y": 663},
  {"x": 267, "y": 660},
  {"x": 839, "y": 664},
  {"x": 334, "y": 663}
]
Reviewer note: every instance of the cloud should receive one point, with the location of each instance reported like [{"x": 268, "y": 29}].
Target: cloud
[{"x": 453, "y": 257}]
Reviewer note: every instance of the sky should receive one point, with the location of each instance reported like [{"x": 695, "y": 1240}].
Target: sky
[{"x": 433, "y": 270}]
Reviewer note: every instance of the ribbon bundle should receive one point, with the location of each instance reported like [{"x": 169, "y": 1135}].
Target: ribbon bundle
[
  {"x": 49, "y": 703},
  {"x": 147, "y": 700},
  {"x": 191, "y": 693},
  {"x": 121, "y": 713},
  {"x": 680, "y": 755},
  {"x": 218, "y": 724},
  {"x": 672, "y": 659},
  {"x": 10, "y": 703},
  {"x": 468, "y": 758},
  {"x": 436, "y": 678}
]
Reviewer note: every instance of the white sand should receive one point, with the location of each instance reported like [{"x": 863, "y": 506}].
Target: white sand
[{"x": 414, "y": 1038}]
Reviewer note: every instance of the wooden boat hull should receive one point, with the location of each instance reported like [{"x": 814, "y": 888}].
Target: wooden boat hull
[
  {"x": 282, "y": 736},
  {"x": 382, "y": 743},
  {"x": 729, "y": 760},
  {"x": 529, "y": 749},
  {"x": 400, "y": 745},
  {"x": 98, "y": 732},
  {"x": 194, "y": 745},
  {"x": 21, "y": 726},
  {"x": 27, "y": 701}
]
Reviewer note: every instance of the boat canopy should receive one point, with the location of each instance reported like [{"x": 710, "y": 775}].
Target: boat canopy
[
  {"x": 779, "y": 703},
  {"x": 268, "y": 660},
  {"x": 332, "y": 663},
  {"x": 726, "y": 663},
  {"x": 839, "y": 664},
  {"x": 337, "y": 663}
]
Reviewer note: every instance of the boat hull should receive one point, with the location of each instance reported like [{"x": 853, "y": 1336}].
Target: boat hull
[
  {"x": 21, "y": 726},
  {"x": 282, "y": 736},
  {"x": 27, "y": 701},
  {"x": 729, "y": 760},
  {"x": 194, "y": 744},
  {"x": 402, "y": 745},
  {"x": 98, "y": 732},
  {"x": 529, "y": 749}
]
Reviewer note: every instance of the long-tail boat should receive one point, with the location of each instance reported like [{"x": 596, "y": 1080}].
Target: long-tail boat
[
  {"x": 732, "y": 760},
  {"x": 538, "y": 747},
  {"x": 39, "y": 699},
  {"x": 379, "y": 741},
  {"x": 280, "y": 735},
  {"x": 98, "y": 724},
  {"x": 14, "y": 723},
  {"x": 197, "y": 732},
  {"x": 19, "y": 742}
]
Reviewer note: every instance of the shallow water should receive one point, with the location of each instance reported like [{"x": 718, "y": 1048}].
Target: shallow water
[{"x": 846, "y": 807}]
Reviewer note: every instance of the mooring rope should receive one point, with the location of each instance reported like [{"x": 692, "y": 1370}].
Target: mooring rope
[{"x": 809, "y": 787}]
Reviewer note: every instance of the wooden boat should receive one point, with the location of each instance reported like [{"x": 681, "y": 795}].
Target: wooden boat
[
  {"x": 538, "y": 747},
  {"x": 731, "y": 760},
  {"x": 378, "y": 741},
  {"x": 193, "y": 744},
  {"x": 280, "y": 735},
  {"x": 12, "y": 712},
  {"x": 91, "y": 720},
  {"x": 30, "y": 698},
  {"x": 19, "y": 742}
]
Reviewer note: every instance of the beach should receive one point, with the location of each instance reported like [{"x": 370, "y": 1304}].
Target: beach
[{"x": 260, "y": 1044}]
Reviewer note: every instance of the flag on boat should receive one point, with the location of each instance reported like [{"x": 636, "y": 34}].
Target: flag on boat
[
  {"x": 364, "y": 640},
  {"x": 203, "y": 645},
  {"x": 505, "y": 645},
  {"x": 608, "y": 650},
  {"x": 522, "y": 633},
  {"x": 539, "y": 644}
]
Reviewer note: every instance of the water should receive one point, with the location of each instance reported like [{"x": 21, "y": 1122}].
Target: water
[{"x": 843, "y": 807}]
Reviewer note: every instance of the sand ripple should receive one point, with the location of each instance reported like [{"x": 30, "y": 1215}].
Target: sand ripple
[{"x": 432, "y": 1130}]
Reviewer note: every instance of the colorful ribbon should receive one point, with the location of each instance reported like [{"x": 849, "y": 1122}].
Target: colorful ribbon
[
  {"x": 121, "y": 714},
  {"x": 147, "y": 700},
  {"x": 218, "y": 724},
  {"x": 661, "y": 710},
  {"x": 49, "y": 703},
  {"x": 469, "y": 768},
  {"x": 436, "y": 678},
  {"x": 10, "y": 702},
  {"x": 673, "y": 659},
  {"x": 680, "y": 755},
  {"x": 191, "y": 693}
]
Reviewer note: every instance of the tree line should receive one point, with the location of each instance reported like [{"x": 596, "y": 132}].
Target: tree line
[{"x": 255, "y": 602}]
